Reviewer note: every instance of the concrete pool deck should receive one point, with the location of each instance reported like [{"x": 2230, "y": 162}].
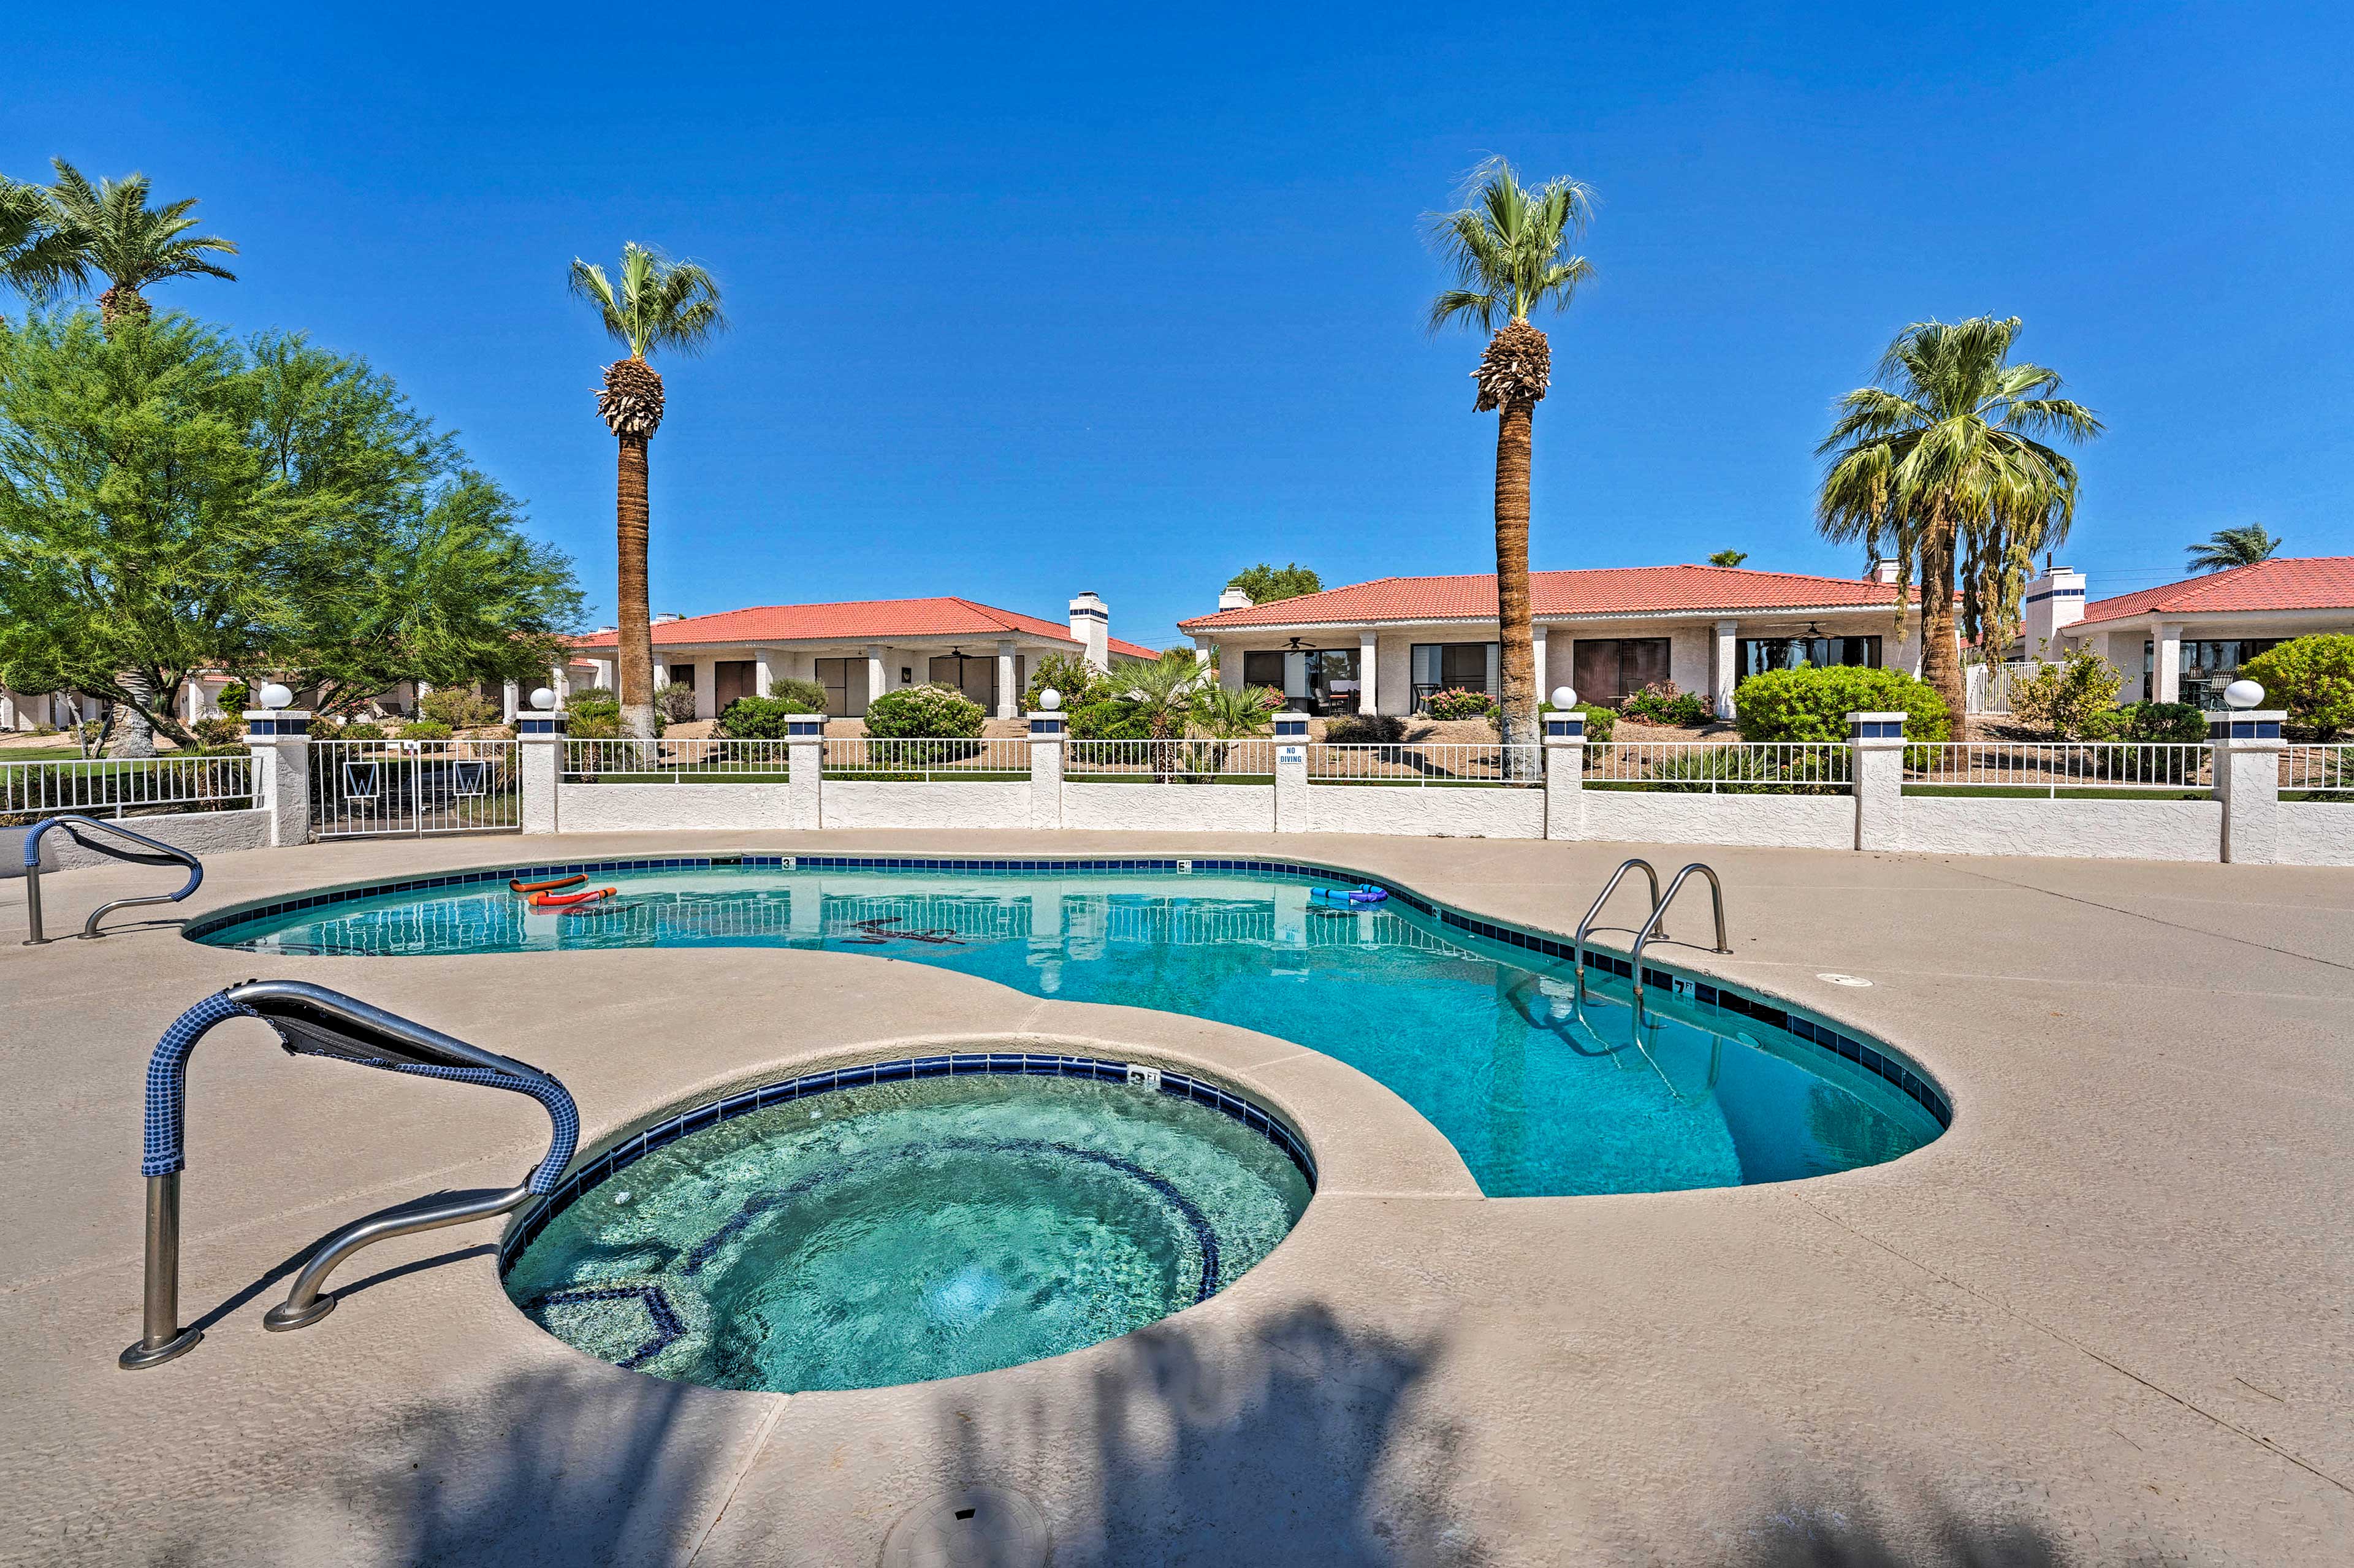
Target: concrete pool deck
[{"x": 2105, "y": 1315}]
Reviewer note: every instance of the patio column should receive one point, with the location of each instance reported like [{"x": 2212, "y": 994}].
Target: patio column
[
  {"x": 1537, "y": 649},
  {"x": 509, "y": 700},
  {"x": 2165, "y": 685},
  {"x": 2245, "y": 745},
  {"x": 1009, "y": 701},
  {"x": 1047, "y": 733},
  {"x": 1565, "y": 767},
  {"x": 1291, "y": 773},
  {"x": 804, "y": 779},
  {"x": 539, "y": 764},
  {"x": 1876, "y": 743},
  {"x": 1726, "y": 676},
  {"x": 278, "y": 741},
  {"x": 764, "y": 670},
  {"x": 1368, "y": 680},
  {"x": 876, "y": 685}
]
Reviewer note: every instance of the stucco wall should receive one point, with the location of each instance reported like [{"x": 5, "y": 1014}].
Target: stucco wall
[
  {"x": 1211, "y": 808},
  {"x": 1424, "y": 810},
  {"x": 2316, "y": 832},
  {"x": 626, "y": 808},
  {"x": 1647, "y": 816},
  {"x": 868, "y": 803},
  {"x": 2082, "y": 829},
  {"x": 199, "y": 832}
]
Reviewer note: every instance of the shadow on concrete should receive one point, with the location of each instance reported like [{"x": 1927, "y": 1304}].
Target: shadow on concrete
[
  {"x": 1932, "y": 1532},
  {"x": 285, "y": 1268}
]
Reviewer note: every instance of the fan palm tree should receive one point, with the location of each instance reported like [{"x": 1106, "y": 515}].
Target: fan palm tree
[
  {"x": 110, "y": 231},
  {"x": 1940, "y": 456},
  {"x": 1507, "y": 246},
  {"x": 2229, "y": 548},
  {"x": 36, "y": 260},
  {"x": 1728, "y": 557},
  {"x": 653, "y": 303}
]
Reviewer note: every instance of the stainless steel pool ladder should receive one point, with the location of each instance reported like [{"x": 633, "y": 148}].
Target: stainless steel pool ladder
[
  {"x": 1652, "y": 927},
  {"x": 1577, "y": 947},
  {"x": 165, "y": 854},
  {"x": 311, "y": 1020}
]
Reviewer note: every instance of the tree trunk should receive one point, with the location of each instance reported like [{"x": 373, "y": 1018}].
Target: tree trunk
[
  {"x": 635, "y": 657},
  {"x": 1941, "y": 659},
  {"x": 1517, "y": 702},
  {"x": 138, "y": 736}
]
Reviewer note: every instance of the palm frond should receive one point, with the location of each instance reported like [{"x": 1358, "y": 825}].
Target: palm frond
[
  {"x": 656, "y": 303},
  {"x": 1504, "y": 244}
]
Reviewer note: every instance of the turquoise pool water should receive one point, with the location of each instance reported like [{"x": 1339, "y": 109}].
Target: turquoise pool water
[
  {"x": 891, "y": 1233},
  {"x": 1541, "y": 1095}
]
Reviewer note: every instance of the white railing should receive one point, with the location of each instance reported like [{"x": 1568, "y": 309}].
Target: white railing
[
  {"x": 119, "y": 787},
  {"x": 2318, "y": 770},
  {"x": 1714, "y": 768},
  {"x": 366, "y": 788},
  {"x": 1428, "y": 762},
  {"x": 1986, "y": 687},
  {"x": 858, "y": 757},
  {"x": 2050, "y": 767},
  {"x": 713, "y": 761},
  {"x": 1191, "y": 761}
]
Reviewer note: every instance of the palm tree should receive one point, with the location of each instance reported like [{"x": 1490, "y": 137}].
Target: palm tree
[
  {"x": 2229, "y": 548},
  {"x": 1939, "y": 457},
  {"x": 657, "y": 303},
  {"x": 1507, "y": 245},
  {"x": 36, "y": 260},
  {"x": 112, "y": 231},
  {"x": 1728, "y": 557}
]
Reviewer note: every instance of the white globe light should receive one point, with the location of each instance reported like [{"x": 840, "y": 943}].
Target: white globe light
[
  {"x": 1050, "y": 699},
  {"x": 1565, "y": 697},
  {"x": 2243, "y": 693},
  {"x": 542, "y": 699},
  {"x": 274, "y": 695}
]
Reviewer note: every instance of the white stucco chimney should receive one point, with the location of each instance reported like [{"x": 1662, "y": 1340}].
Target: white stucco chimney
[
  {"x": 1091, "y": 625},
  {"x": 1235, "y": 599},
  {"x": 2054, "y": 600},
  {"x": 1883, "y": 570}
]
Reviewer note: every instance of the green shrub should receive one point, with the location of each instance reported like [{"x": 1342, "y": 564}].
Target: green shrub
[
  {"x": 2177, "y": 722},
  {"x": 760, "y": 718},
  {"x": 235, "y": 697},
  {"x": 1599, "y": 721},
  {"x": 1662, "y": 702},
  {"x": 1734, "y": 769},
  {"x": 596, "y": 715},
  {"x": 213, "y": 731},
  {"x": 425, "y": 729},
  {"x": 1456, "y": 704},
  {"x": 1079, "y": 682},
  {"x": 1812, "y": 703},
  {"x": 1363, "y": 730},
  {"x": 358, "y": 730},
  {"x": 2312, "y": 678},
  {"x": 457, "y": 707},
  {"x": 2073, "y": 698},
  {"x": 805, "y": 696},
  {"x": 1111, "y": 719},
  {"x": 674, "y": 702},
  {"x": 927, "y": 713}
]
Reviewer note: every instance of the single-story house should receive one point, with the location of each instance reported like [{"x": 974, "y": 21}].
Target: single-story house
[
  {"x": 856, "y": 651},
  {"x": 1388, "y": 646},
  {"x": 2185, "y": 642}
]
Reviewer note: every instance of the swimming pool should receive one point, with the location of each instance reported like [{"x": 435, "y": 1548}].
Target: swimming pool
[
  {"x": 905, "y": 1221},
  {"x": 1476, "y": 1024}
]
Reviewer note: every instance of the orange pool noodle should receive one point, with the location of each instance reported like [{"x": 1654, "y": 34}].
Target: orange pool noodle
[
  {"x": 545, "y": 886},
  {"x": 559, "y": 900}
]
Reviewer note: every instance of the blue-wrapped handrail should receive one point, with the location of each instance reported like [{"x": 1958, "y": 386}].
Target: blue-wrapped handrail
[
  {"x": 73, "y": 823},
  {"x": 311, "y": 1020}
]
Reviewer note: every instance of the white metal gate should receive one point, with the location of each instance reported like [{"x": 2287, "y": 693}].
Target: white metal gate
[{"x": 362, "y": 788}]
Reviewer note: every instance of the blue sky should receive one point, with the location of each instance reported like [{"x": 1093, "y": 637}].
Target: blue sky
[{"x": 1028, "y": 300}]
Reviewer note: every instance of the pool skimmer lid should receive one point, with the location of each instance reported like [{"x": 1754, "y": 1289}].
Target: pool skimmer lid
[{"x": 1844, "y": 980}]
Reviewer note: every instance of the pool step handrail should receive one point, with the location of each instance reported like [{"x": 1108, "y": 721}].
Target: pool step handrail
[
  {"x": 1651, "y": 927},
  {"x": 311, "y": 1020},
  {"x": 165, "y": 854},
  {"x": 1577, "y": 945}
]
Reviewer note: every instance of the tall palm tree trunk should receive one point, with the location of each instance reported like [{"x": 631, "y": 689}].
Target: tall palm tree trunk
[
  {"x": 1517, "y": 702},
  {"x": 135, "y": 735},
  {"x": 635, "y": 656},
  {"x": 1941, "y": 659}
]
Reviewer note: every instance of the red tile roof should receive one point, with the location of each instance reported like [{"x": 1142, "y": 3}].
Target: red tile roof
[
  {"x": 2312, "y": 582},
  {"x": 1628, "y": 590},
  {"x": 863, "y": 620}
]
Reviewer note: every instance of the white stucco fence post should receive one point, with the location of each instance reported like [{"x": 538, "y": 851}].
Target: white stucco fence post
[
  {"x": 2245, "y": 748},
  {"x": 1291, "y": 773},
  {"x": 539, "y": 765},
  {"x": 1047, "y": 733},
  {"x": 1876, "y": 742},
  {"x": 278, "y": 740},
  {"x": 805, "y": 771},
  {"x": 1565, "y": 774}
]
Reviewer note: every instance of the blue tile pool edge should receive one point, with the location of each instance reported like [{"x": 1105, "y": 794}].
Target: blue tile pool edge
[
  {"x": 1906, "y": 1077},
  {"x": 628, "y": 1149}
]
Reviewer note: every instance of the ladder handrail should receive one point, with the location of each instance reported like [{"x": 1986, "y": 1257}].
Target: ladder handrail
[
  {"x": 166, "y": 854},
  {"x": 311, "y": 1020},
  {"x": 1651, "y": 928},
  {"x": 1577, "y": 944}
]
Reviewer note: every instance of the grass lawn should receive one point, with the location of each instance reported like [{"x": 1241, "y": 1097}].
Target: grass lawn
[{"x": 2039, "y": 792}]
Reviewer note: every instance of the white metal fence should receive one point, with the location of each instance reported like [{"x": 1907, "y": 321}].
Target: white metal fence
[
  {"x": 857, "y": 756},
  {"x": 1715, "y": 767},
  {"x": 125, "y": 787},
  {"x": 714, "y": 761},
  {"x": 1430, "y": 762},
  {"x": 362, "y": 789},
  {"x": 1986, "y": 688},
  {"x": 2318, "y": 770},
  {"x": 1170, "y": 761},
  {"x": 2048, "y": 768}
]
